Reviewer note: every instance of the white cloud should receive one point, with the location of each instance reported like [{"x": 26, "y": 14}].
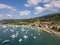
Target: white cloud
[
  {"x": 23, "y": 13},
  {"x": 36, "y": 2},
  {"x": 2, "y": 6},
  {"x": 32, "y": 3},
  {"x": 27, "y": 5},
  {"x": 48, "y": 7},
  {"x": 55, "y": 4},
  {"x": 52, "y": 7},
  {"x": 39, "y": 9},
  {"x": 9, "y": 15},
  {"x": 46, "y": 1}
]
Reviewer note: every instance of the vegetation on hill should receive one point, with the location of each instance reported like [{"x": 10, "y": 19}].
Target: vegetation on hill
[{"x": 49, "y": 17}]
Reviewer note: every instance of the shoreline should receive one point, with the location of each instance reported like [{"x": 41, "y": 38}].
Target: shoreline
[{"x": 48, "y": 30}]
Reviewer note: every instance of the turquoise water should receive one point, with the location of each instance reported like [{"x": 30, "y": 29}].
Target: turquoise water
[{"x": 41, "y": 37}]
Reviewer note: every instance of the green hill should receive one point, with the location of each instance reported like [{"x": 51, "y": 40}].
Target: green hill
[{"x": 49, "y": 17}]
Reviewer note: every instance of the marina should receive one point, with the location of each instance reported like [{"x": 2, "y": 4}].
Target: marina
[{"x": 32, "y": 37}]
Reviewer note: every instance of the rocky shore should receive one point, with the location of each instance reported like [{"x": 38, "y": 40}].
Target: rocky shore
[{"x": 48, "y": 30}]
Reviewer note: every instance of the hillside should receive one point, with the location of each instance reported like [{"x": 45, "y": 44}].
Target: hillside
[{"x": 49, "y": 17}]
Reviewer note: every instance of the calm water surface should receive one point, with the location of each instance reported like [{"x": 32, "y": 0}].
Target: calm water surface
[{"x": 34, "y": 37}]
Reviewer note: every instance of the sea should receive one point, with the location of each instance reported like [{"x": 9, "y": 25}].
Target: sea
[{"x": 14, "y": 35}]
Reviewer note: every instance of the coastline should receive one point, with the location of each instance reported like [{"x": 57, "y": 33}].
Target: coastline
[{"x": 48, "y": 30}]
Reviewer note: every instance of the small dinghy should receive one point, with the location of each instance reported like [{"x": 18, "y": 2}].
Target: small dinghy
[
  {"x": 6, "y": 41},
  {"x": 14, "y": 35},
  {"x": 23, "y": 30},
  {"x": 34, "y": 37},
  {"x": 20, "y": 40},
  {"x": 25, "y": 37}
]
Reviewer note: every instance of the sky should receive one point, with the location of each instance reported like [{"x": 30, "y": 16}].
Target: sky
[{"x": 22, "y": 9}]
